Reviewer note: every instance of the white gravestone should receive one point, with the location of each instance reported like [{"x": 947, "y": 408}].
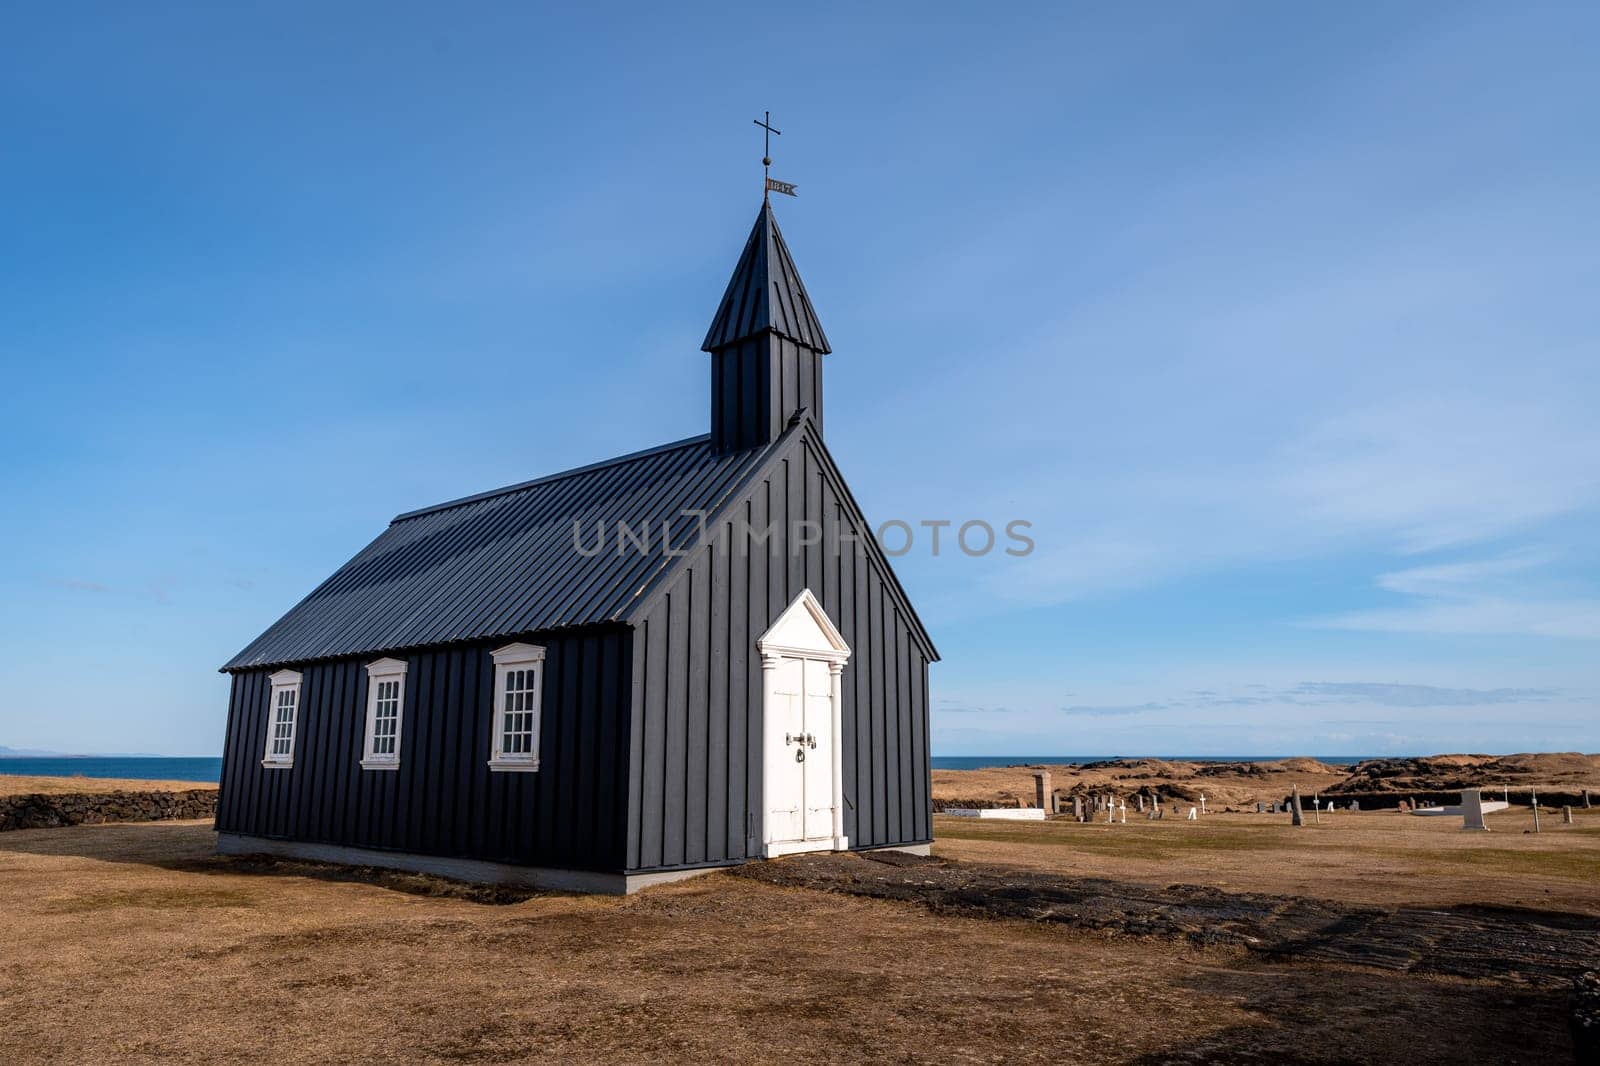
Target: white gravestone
[{"x": 1472, "y": 810}]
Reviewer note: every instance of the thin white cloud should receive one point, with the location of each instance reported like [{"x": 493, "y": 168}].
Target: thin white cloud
[
  {"x": 1508, "y": 595},
  {"x": 1389, "y": 694}
]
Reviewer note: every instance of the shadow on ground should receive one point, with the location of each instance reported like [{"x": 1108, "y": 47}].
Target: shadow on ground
[{"x": 160, "y": 845}]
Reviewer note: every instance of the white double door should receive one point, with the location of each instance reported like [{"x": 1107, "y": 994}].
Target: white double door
[{"x": 801, "y": 764}]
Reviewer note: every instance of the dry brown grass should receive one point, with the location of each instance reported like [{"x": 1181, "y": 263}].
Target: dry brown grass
[
  {"x": 132, "y": 943},
  {"x": 1376, "y": 857},
  {"x": 23, "y": 784}
]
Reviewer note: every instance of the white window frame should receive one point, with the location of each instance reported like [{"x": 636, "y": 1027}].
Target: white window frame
[
  {"x": 284, "y": 681},
  {"x": 514, "y": 657},
  {"x": 384, "y": 670}
]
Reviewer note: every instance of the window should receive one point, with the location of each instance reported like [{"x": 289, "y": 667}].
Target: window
[
  {"x": 283, "y": 709},
  {"x": 386, "y": 697},
  {"x": 518, "y": 683}
]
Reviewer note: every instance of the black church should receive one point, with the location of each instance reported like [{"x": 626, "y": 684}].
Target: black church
[{"x": 682, "y": 658}]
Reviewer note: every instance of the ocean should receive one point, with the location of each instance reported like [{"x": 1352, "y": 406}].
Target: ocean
[
  {"x": 132, "y": 768},
  {"x": 210, "y": 770}
]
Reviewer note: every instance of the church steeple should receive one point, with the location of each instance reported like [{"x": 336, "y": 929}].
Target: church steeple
[{"x": 766, "y": 345}]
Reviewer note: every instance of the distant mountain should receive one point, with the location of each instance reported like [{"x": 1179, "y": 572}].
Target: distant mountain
[{"x": 26, "y": 753}]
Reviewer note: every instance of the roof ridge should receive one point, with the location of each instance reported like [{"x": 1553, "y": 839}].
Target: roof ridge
[{"x": 519, "y": 486}]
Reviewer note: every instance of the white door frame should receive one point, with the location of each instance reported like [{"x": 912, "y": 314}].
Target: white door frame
[{"x": 788, "y": 638}]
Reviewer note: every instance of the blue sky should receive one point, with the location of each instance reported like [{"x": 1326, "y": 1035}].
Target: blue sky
[{"x": 1278, "y": 322}]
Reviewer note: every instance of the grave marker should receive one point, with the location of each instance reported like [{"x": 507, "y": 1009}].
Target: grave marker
[
  {"x": 1041, "y": 790},
  {"x": 1472, "y": 809}
]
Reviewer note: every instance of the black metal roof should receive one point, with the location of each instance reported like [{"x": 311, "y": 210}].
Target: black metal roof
[
  {"x": 765, "y": 294},
  {"x": 505, "y": 562}
]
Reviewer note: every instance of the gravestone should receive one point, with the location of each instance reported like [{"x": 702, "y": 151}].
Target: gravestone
[
  {"x": 1041, "y": 790},
  {"x": 1194, "y": 815},
  {"x": 1077, "y": 808},
  {"x": 1472, "y": 809},
  {"x": 1124, "y": 812},
  {"x": 1586, "y": 799},
  {"x": 1261, "y": 808},
  {"x": 1566, "y": 816},
  {"x": 1355, "y": 805},
  {"x": 1202, "y": 803},
  {"x": 1296, "y": 816},
  {"x": 1140, "y": 799}
]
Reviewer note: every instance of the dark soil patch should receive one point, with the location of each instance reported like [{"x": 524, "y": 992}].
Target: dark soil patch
[{"x": 1464, "y": 941}]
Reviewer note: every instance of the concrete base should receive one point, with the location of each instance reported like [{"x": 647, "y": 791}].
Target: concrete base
[
  {"x": 1014, "y": 814},
  {"x": 909, "y": 849},
  {"x": 496, "y": 873},
  {"x": 1456, "y": 810}
]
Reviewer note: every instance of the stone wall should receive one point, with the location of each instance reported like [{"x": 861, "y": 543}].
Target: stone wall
[
  {"x": 1553, "y": 799},
  {"x": 44, "y": 810},
  {"x": 940, "y": 805}
]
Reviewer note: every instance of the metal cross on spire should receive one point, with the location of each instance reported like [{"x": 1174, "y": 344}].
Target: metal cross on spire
[{"x": 766, "y": 159}]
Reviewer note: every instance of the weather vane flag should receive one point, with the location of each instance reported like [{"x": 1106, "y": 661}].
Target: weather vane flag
[{"x": 773, "y": 184}]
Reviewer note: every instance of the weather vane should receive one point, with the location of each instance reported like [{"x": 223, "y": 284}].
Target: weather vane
[{"x": 772, "y": 186}]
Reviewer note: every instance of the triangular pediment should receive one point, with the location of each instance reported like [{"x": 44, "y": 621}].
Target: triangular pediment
[{"x": 804, "y": 628}]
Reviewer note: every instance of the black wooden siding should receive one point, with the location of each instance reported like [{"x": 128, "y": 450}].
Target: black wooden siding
[
  {"x": 444, "y": 800},
  {"x": 757, "y": 385},
  {"x": 697, "y": 680}
]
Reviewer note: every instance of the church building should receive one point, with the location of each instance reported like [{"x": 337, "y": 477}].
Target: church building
[{"x": 682, "y": 658}]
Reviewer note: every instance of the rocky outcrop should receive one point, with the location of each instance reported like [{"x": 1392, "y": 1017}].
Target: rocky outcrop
[
  {"x": 1586, "y": 1016},
  {"x": 1566, "y": 773},
  {"x": 43, "y": 810}
]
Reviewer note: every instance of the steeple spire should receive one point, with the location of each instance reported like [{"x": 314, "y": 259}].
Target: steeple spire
[
  {"x": 765, "y": 343},
  {"x": 765, "y": 293}
]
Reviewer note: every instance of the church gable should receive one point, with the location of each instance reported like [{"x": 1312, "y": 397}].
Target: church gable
[
  {"x": 797, "y": 509},
  {"x": 695, "y": 721}
]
